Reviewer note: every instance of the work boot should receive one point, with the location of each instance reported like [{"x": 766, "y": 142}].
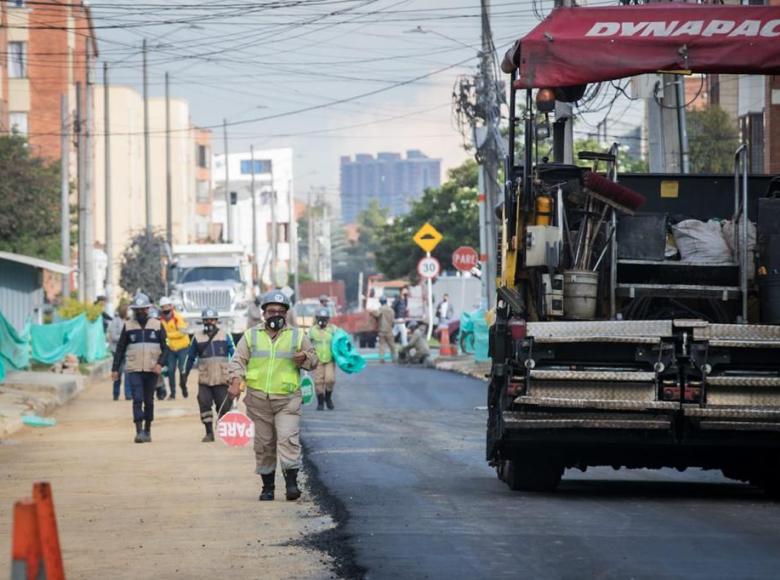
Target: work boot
[
  {"x": 329, "y": 400},
  {"x": 147, "y": 432},
  {"x": 184, "y": 392},
  {"x": 320, "y": 402},
  {"x": 269, "y": 485},
  {"x": 208, "y": 438},
  {"x": 172, "y": 396},
  {"x": 291, "y": 480},
  {"x": 138, "y": 430}
]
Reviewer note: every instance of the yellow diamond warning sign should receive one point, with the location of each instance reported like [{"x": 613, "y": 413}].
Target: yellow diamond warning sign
[{"x": 427, "y": 237}]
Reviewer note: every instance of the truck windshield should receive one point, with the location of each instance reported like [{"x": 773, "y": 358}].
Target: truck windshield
[{"x": 210, "y": 274}]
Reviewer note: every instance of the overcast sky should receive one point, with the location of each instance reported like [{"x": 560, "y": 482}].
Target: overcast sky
[{"x": 243, "y": 61}]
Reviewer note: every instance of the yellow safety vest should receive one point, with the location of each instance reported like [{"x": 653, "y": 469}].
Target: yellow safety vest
[
  {"x": 271, "y": 368},
  {"x": 322, "y": 338}
]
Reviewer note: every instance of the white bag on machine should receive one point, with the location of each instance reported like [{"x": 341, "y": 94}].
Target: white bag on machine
[
  {"x": 701, "y": 242},
  {"x": 728, "y": 235}
]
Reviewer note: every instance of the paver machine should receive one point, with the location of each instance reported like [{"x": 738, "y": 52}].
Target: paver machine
[{"x": 611, "y": 346}]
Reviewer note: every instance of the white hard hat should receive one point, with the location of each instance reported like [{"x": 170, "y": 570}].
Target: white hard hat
[{"x": 165, "y": 301}]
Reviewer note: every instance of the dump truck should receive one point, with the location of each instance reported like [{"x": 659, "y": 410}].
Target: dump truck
[{"x": 611, "y": 346}]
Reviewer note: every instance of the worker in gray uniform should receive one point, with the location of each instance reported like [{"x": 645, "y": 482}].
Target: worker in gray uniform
[
  {"x": 142, "y": 345},
  {"x": 212, "y": 348},
  {"x": 416, "y": 351}
]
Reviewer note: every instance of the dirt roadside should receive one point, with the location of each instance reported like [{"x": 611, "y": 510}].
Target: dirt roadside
[{"x": 175, "y": 508}]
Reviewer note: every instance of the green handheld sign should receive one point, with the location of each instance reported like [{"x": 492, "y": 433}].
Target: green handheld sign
[{"x": 307, "y": 390}]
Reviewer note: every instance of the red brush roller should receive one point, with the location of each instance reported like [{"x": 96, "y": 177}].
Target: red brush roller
[{"x": 615, "y": 192}]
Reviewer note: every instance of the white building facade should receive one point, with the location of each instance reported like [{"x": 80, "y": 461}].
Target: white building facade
[{"x": 273, "y": 176}]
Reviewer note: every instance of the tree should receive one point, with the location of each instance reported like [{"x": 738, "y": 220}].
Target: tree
[
  {"x": 453, "y": 209},
  {"x": 143, "y": 265},
  {"x": 29, "y": 201},
  {"x": 626, "y": 163},
  {"x": 712, "y": 140}
]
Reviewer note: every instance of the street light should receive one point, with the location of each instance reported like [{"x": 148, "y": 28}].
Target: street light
[{"x": 420, "y": 30}]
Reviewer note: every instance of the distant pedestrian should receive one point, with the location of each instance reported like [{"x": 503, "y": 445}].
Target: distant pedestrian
[
  {"x": 401, "y": 313},
  {"x": 104, "y": 316},
  {"x": 113, "y": 334},
  {"x": 212, "y": 349},
  {"x": 270, "y": 357},
  {"x": 385, "y": 319},
  {"x": 178, "y": 344},
  {"x": 444, "y": 311},
  {"x": 142, "y": 346},
  {"x": 324, "y": 300},
  {"x": 254, "y": 314},
  {"x": 321, "y": 336}
]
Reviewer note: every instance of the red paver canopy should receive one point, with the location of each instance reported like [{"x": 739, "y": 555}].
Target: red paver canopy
[{"x": 576, "y": 46}]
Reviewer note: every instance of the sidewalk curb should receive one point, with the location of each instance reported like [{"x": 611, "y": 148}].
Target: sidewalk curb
[
  {"x": 464, "y": 365},
  {"x": 25, "y": 392}
]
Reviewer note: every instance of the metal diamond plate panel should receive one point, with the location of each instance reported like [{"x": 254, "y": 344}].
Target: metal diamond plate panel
[
  {"x": 733, "y": 413},
  {"x": 594, "y": 338},
  {"x": 607, "y": 391},
  {"x": 546, "y": 375},
  {"x": 596, "y": 328},
  {"x": 743, "y": 397},
  {"x": 737, "y": 332},
  {"x": 586, "y": 424},
  {"x": 739, "y": 426},
  {"x": 743, "y": 381},
  {"x": 617, "y": 405}
]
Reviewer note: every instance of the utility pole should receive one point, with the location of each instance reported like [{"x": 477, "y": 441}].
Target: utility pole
[
  {"x": 293, "y": 241},
  {"x": 82, "y": 201},
  {"x": 668, "y": 136},
  {"x": 168, "y": 187},
  {"x": 228, "y": 217},
  {"x": 65, "y": 191},
  {"x": 107, "y": 188},
  {"x": 89, "y": 230},
  {"x": 254, "y": 215},
  {"x": 274, "y": 232},
  {"x": 488, "y": 149},
  {"x": 563, "y": 128},
  {"x": 147, "y": 151}
]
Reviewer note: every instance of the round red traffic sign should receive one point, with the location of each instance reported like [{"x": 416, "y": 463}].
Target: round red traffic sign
[
  {"x": 235, "y": 429},
  {"x": 465, "y": 258},
  {"x": 428, "y": 267}
]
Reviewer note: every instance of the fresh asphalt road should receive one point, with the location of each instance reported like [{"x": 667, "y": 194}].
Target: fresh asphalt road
[{"x": 404, "y": 454}]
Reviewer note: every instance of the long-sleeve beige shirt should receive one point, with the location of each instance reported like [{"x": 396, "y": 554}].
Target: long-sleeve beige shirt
[
  {"x": 386, "y": 319},
  {"x": 243, "y": 353}
]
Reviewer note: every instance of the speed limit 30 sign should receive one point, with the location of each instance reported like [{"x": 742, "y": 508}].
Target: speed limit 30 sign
[{"x": 428, "y": 267}]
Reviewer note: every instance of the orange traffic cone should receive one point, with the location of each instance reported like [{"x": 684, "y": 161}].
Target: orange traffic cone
[
  {"x": 26, "y": 553},
  {"x": 445, "y": 348},
  {"x": 47, "y": 528}
]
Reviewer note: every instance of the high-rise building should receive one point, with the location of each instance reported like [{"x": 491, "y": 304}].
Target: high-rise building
[{"x": 388, "y": 178}]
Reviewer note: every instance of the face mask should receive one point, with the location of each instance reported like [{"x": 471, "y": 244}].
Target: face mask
[
  {"x": 167, "y": 313},
  {"x": 141, "y": 317},
  {"x": 275, "y": 322},
  {"x": 210, "y": 328},
  {"x": 322, "y": 323}
]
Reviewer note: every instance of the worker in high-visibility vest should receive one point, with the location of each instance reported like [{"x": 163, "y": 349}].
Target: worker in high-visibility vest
[
  {"x": 269, "y": 357},
  {"x": 321, "y": 336}
]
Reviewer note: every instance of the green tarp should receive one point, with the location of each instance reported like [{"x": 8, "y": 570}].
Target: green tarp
[
  {"x": 347, "y": 358},
  {"x": 14, "y": 347},
  {"x": 78, "y": 336},
  {"x": 474, "y": 334}
]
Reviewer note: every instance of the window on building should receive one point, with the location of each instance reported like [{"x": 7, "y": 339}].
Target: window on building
[
  {"x": 203, "y": 156},
  {"x": 261, "y": 166},
  {"x": 283, "y": 230},
  {"x": 18, "y": 122},
  {"x": 16, "y": 3},
  {"x": 17, "y": 57},
  {"x": 202, "y": 191},
  {"x": 201, "y": 228}
]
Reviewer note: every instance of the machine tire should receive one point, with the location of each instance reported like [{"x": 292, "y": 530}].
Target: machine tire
[{"x": 526, "y": 472}]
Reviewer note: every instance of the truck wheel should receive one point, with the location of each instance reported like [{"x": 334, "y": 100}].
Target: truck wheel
[{"x": 526, "y": 472}]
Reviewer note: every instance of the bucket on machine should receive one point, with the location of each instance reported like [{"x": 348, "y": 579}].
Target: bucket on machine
[{"x": 580, "y": 291}]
